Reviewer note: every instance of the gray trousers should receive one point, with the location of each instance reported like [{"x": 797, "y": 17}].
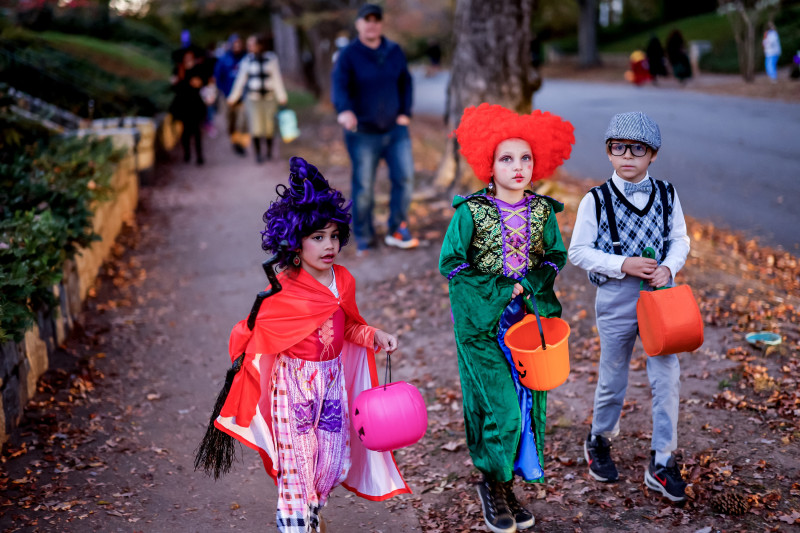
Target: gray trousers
[{"x": 615, "y": 306}]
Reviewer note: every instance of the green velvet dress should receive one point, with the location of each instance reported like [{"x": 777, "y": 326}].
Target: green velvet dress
[{"x": 474, "y": 258}]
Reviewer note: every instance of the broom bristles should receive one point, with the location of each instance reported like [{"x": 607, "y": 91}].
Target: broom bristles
[{"x": 217, "y": 450}]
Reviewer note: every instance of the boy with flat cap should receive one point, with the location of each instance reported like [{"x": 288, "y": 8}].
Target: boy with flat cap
[{"x": 615, "y": 223}]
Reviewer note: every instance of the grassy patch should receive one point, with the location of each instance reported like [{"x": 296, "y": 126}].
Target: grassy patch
[
  {"x": 77, "y": 73},
  {"x": 118, "y": 58},
  {"x": 300, "y": 99},
  {"x": 710, "y": 27}
]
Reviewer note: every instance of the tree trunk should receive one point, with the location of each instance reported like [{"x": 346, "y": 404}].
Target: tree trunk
[
  {"x": 321, "y": 39},
  {"x": 491, "y": 63},
  {"x": 749, "y": 49},
  {"x": 744, "y": 34},
  {"x": 287, "y": 48},
  {"x": 745, "y": 17},
  {"x": 588, "y": 55},
  {"x": 318, "y": 24}
]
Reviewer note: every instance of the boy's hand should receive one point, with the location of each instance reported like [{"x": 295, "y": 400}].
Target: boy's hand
[
  {"x": 385, "y": 340},
  {"x": 661, "y": 277},
  {"x": 641, "y": 267},
  {"x": 517, "y": 290}
]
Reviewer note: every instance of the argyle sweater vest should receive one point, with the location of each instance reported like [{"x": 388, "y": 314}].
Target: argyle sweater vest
[
  {"x": 635, "y": 229},
  {"x": 258, "y": 75}
]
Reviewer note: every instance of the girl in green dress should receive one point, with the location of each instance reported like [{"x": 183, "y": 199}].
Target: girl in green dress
[{"x": 502, "y": 246}]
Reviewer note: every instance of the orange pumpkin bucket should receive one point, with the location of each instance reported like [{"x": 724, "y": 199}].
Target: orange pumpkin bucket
[
  {"x": 669, "y": 319},
  {"x": 542, "y": 364}
]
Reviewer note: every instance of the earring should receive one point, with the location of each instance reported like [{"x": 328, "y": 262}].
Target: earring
[
  {"x": 296, "y": 260},
  {"x": 491, "y": 186}
]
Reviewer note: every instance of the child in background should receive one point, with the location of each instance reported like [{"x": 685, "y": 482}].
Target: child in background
[
  {"x": 307, "y": 358},
  {"x": 615, "y": 223},
  {"x": 502, "y": 245}
]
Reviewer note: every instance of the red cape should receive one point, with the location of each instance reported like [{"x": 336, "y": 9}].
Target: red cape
[{"x": 285, "y": 319}]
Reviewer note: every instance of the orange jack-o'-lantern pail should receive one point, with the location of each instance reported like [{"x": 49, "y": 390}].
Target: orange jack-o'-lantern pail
[
  {"x": 540, "y": 369},
  {"x": 669, "y": 321}
]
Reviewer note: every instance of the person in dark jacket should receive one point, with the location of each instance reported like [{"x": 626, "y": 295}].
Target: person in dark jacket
[
  {"x": 372, "y": 94},
  {"x": 678, "y": 58},
  {"x": 656, "y": 61},
  {"x": 187, "y": 105}
]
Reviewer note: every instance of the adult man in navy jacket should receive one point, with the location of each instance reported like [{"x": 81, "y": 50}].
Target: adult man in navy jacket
[{"x": 372, "y": 94}]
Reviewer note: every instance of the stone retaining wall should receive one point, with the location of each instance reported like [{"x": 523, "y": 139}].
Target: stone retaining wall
[{"x": 23, "y": 363}]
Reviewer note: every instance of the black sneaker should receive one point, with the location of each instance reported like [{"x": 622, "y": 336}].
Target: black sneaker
[
  {"x": 597, "y": 450},
  {"x": 665, "y": 479},
  {"x": 523, "y": 517},
  {"x": 496, "y": 513}
]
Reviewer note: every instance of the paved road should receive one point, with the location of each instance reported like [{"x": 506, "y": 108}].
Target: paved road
[{"x": 735, "y": 161}]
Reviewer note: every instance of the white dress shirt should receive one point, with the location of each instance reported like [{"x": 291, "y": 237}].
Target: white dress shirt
[{"x": 583, "y": 254}]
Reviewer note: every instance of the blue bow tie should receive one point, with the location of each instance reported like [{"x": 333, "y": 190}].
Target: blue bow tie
[{"x": 643, "y": 186}]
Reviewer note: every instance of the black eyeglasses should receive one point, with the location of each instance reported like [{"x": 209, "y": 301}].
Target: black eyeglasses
[{"x": 637, "y": 150}]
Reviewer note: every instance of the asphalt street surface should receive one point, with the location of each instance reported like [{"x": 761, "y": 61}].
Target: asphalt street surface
[{"x": 735, "y": 161}]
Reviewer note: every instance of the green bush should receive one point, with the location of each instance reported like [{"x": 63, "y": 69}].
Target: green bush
[{"x": 46, "y": 195}]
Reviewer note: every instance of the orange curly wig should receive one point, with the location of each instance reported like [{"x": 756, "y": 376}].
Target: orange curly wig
[{"x": 482, "y": 128}]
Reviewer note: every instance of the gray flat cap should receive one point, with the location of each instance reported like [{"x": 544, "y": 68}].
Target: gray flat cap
[{"x": 635, "y": 126}]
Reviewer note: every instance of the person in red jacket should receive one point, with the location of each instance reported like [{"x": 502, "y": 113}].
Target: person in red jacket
[{"x": 308, "y": 356}]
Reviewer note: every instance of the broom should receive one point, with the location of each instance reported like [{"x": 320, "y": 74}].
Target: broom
[{"x": 217, "y": 449}]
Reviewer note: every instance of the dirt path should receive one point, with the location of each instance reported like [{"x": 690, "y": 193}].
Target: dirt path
[
  {"x": 113, "y": 449},
  {"x": 109, "y": 443}
]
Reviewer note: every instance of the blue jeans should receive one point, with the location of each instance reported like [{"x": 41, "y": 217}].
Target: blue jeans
[
  {"x": 366, "y": 150},
  {"x": 771, "y": 66}
]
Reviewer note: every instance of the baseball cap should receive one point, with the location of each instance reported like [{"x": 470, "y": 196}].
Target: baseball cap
[{"x": 370, "y": 9}]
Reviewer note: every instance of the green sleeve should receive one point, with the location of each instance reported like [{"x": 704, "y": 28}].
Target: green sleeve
[
  {"x": 539, "y": 281},
  {"x": 477, "y": 299}
]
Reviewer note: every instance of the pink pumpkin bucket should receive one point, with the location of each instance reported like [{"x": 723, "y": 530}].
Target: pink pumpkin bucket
[
  {"x": 390, "y": 416},
  {"x": 542, "y": 364}
]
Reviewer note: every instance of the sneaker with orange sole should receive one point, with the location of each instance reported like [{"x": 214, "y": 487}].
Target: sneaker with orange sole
[{"x": 401, "y": 238}]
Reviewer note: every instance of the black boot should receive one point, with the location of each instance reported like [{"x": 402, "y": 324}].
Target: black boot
[
  {"x": 269, "y": 148},
  {"x": 523, "y": 517},
  {"x": 257, "y": 148},
  {"x": 496, "y": 513}
]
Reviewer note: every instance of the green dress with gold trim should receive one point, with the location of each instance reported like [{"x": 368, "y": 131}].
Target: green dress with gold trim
[{"x": 477, "y": 258}]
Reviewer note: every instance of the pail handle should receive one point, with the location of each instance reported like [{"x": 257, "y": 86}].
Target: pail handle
[
  {"x": 530, "y": 303},
  {"x": 649, "y": 253},
  {"x": 387, "y": 376}
]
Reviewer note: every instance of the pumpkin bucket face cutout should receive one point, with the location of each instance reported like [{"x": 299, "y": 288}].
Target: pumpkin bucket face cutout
[
  {"x": 540, "y": 351},
  {"x": 391, "y": 416}
]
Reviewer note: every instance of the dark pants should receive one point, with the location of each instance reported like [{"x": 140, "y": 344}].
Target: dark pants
[{"x": 191, "y": 129}]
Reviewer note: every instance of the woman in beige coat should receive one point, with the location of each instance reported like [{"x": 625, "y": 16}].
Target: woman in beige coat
[{"x": 260, "y": 82}]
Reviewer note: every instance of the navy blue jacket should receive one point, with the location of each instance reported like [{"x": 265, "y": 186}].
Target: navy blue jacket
[
  {"x": 226, "y": 69},
  {"x": 373, "y": 84}
]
